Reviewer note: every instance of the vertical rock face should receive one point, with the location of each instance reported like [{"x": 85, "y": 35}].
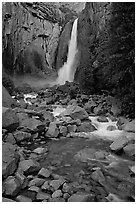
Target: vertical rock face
[
  {"x": 106, "y": 44},
  {"x": 30, "y": 37}
]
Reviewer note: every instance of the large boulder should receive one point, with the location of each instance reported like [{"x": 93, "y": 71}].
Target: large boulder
[
  {"x": 119, "y": 143},
  {"x": 10, "y": 119},
  {"x": 10, "y": 159},
  {"x": 86, "y": 127},
  {"x": 31, "y": 124},
  {"x": 75, "y": 112},
  {"x": 7, "y": 100}
]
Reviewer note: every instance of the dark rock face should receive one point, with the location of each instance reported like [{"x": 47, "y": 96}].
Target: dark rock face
[
  {"x": 7, "y": 101},
  {"x": 106, "y": 58}
]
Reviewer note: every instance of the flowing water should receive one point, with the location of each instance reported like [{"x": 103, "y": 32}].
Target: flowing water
[{"x": 66, "y": 73}]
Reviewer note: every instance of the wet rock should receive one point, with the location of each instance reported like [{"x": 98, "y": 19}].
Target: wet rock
[
  {"x": 102, "y": 119},
  {"x": 44, "y": 173},
  {"x": 22, "y": 198},
  {"x": 10, "y": 120},
  {"x": 129, "y": 149},
  {"x": 55, "y": 184},
  {"x": 86, "y": 127},
  {"x": 111, "y": 128},
  {"x": 129, "y": 126},
  {"x": 57, "y": 193},
  {"x": 67, "y": 188},
  {"x": 98, "y": 110},
  {"x": 75, "y": 112},
  {"x": 81, "y": 197},
  {"x": 10, "y": 139},
  {"x": 52, "y": 130},
  {"x": 9, "y": 159},
  {"x": 36, "y": 182},
  {"x": 21, "y": 136},
  {"x": 63, "y": 130},
  {"x": 29, "y": 166},
  {"x": 113, "y": 198},
  {"x": 30, "y": 124},
  {"x": 72, "y": 128},
  {"x": 12, "y": 186},
  {"x": 119, "y": 143},
  {"x": 59, "y": 199},
  {"x": 43, "y": 196},
  {"x": 7, "y": 200}
]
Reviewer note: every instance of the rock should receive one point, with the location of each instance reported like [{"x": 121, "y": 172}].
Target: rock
[
  {"x": 86, "y": 127},
  {"x": 36, "y": 182},
  {"x": 34, "y": 189},
  {"x": 7, "y": 200},
  {"x": 29, "y": 166},
  {"x": 129, "y": 149},
  {"x": 98, "y": 110},
  {"x": 21, "y": 178},
  {"x": 31, "y": 124},
  {"x": 44, "y": 173},
  {"x": 55, "y": 184},
  {"x": 52, "y": 130},
  {"x": 119, "y": 143},
  {"x": 101, "y": 154},
  {"x": 21, "y": 136},
  {"x": 85, "y": 155},
  {"x": 102, "y": 119},
  {"x": 129, "y": 126},
  {"x": 111, "y": 128},
  {"x": 63, "y": 130},
  {"x": 45, "y": 186},
  {"x": 66, "y": 196},
  {"x": 40, "y": 150},
  {"x": 113, "y": 198},
  {"x": 22, "y": 198},
  {"x": 10, "y": 120},
  {"x": 75, "y": 112},
  {"x": 12, "y": 186},
  {"x": 10, "y": 139},
  {"x": 9, "y": 159},
  {"x": 57, "y": 193},
  {"x": 7, "y": 100},
  {"x": 41, "y": 196},
  {"x": 59, "y": 199},
  {"x": 72, "y": 128},
  {"x": 98, "y": 176},
  {"x": 48, "y": 115},
  {"x": 22, "y": 116},
  {"x": 81, "y": 197},
  {"x": 66, "y": 188},
  {"x": 132, "y": 168}
]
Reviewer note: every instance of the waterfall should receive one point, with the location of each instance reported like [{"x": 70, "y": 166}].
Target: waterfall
[{"x": 67, "y": 71}]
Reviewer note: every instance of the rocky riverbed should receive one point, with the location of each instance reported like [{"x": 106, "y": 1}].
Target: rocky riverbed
[{"x": 60, "y": 145}]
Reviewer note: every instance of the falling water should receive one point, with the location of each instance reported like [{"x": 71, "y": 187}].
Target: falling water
[{"x": 66, "y": 73}]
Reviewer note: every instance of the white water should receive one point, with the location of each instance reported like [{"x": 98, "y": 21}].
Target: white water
[{"x": 66, "y": 73}]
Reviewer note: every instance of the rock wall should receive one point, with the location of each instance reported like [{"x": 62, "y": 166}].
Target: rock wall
[
  {"x": 30, "y": 36},
  {"x": 106, "y": 44}
]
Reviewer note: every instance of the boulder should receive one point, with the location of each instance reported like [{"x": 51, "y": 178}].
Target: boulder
[
  {"x": 129, "y": 126},
  {"x": 55, "y": 184},
  {"x": 81, "y": 197},
  {"x": 36, "y": 182},
  {"x": 12, "y": 186},
  {"x": 10, "y": 139},
  {"x": 21, "y": 178},
  {"x": 102, "y": 119},
  {"x": 63, "y": 130},
  {"x": 7, "y": 200},
  {"x": 129, "y": 149},
  {"x": 10, "y": 120},
  {"x": 86, "y": 127},
  {"x": 10, "y": 159},
  {"x": 72, "y": 128},
  {"x": 7, "y": 100},
  {"x": 44, "y": 173},
  {"x": 41, "y": 196},
  {"x": 21, "y": 198},
  {"x": 30, "y": 124},
  {"x": 75, "y": 112},
  {"x": 52, "y": 130},
  {"x": 20, "y": 136},
  {"x": 111, "y": 127},
  {"x": 29, "y": 166},
  {"x": 57, "y": 194},
  {"x": 119, "y": 143},
  {"x": 40, "y": 150}
]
